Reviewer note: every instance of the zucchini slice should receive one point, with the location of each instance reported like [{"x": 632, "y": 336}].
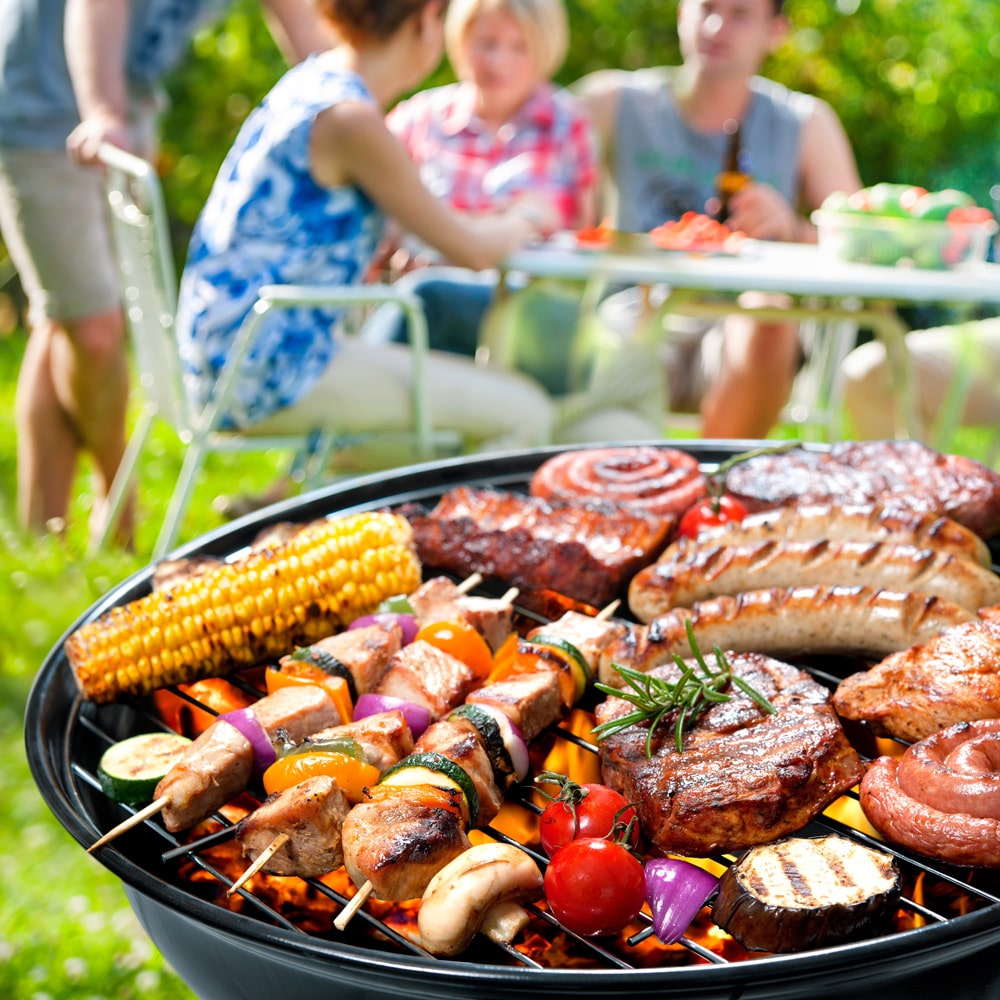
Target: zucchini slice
[
  {"x": 129, "y": 771},
  {"x": 434, "y": 769}
]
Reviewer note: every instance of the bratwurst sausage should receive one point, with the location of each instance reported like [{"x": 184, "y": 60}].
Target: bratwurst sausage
[
  {"x": 956, "y": 770},
  {"x": 787, "y": 622},
  {"x": 690, "y": 572},
  {"x": 953, "y": 837},
  {"x": 873, "y": 522}
]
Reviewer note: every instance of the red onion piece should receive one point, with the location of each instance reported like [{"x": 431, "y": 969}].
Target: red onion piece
[
  {"x": 676, "y": 890},
  {"x": 417, "y": 716},
  {"x": 245, "y": 721},
  {"x": 513, "y": 740},
  {"x": 408, "y": 623}
]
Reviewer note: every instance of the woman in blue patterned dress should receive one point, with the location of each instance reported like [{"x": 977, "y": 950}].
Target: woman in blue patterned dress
[{"x": 301, "y": 199}]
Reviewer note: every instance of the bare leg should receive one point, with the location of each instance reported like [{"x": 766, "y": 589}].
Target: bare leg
[
  {"x": 72, "y": 397},
  {"x": 759, "y": 361}
]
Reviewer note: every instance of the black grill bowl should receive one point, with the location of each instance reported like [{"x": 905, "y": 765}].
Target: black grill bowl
[{"x": 222, "y": 954}]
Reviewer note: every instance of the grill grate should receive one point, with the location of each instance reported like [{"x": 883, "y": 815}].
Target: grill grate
[{"x": 957, "y": 890}]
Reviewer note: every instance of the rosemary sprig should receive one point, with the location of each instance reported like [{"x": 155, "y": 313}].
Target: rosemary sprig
[{"x": 698, "y": 686}]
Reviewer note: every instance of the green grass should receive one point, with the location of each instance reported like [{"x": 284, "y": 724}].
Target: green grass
[{"x": 66, "y": 929}]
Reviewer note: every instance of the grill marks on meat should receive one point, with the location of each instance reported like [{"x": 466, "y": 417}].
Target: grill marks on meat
[
  {"x": 953, "y": 677},
  {"x": 440, "y": 600},
  {"x": 311, "y": 814},
  {"x": 399, "y": 844},
  {"x": 779, "y": 771},
  {"x": 693, "y": 571},
  {"x": 365, "y": 652},
  {"x": 787, "y": 622},
  {"x": 219, "y": 763},
  {"x": 425, "y": 675},
  {"x": 385, "y": 737},
  {"x": 902, "y": 474},
  {"x": 459, "y": 741},
  {"x": 588, "y": 552}
]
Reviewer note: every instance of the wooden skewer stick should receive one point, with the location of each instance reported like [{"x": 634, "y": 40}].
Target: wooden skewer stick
[
  {"x": 608, "y": 610},
  {"x": 474, "y": 580},
  {"x": 510, "y": 596},
  {"x": 261, "y": 860},
  {"x": 157, "y": 805},
  {"x": 357, "y": 901}
]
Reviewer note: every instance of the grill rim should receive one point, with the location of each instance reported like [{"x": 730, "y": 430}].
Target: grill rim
[{"x": 53, "y": 711}]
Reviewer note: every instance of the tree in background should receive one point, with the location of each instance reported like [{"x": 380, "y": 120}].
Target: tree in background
[{"x": 912, "y": 80}]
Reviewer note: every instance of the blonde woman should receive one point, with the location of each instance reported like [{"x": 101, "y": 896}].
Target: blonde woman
[{"x": 503, "y": 129}]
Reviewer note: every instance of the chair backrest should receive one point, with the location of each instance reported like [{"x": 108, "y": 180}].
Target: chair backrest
[{"x": 148, "y": 280}]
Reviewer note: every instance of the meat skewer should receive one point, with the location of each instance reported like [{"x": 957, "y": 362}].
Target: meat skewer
[
  {"x": 220, "y": 762},
  {"x": 378, "y": 834}
]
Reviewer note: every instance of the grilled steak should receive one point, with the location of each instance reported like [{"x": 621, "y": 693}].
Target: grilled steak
[
  {"x": 902, "y": 474},
  {"x": 953, "y": 677},
  {"x": 586, "y": 551},
  {"x": 745, "y": 776},
  {"x": 312, "y": 814}
]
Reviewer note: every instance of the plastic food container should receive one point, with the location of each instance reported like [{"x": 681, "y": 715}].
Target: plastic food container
[{"x": 875, "y": 239}]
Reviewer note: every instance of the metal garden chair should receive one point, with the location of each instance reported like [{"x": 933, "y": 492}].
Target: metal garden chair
[{"x": 149, "y": 295}]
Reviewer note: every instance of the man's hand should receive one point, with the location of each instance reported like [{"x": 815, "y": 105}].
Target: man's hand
[
  {"x": 760, "y": 212},
  {"x": 84, "y": 141}
]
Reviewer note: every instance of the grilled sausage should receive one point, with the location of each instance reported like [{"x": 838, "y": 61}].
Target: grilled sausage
[
  {"x": 872, "y": 522},
  {"x": 953, "y": 837},
  {"x": 956, "y": 770},
  {"x": 692, "y": 572},
  {"x": 788, "y": 622}
]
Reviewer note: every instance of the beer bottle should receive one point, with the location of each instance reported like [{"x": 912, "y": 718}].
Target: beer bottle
[{"x": 733, "y": 175}]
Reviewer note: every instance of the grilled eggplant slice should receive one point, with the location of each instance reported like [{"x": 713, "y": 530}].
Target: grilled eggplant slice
[{"x": 801, "y": 893}]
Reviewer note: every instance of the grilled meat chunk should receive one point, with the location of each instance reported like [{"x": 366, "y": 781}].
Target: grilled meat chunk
[
  {"x": 386, "y": 737},
  {"x": 591, "y": 636},
  {"x": 425, "y": 675},
  {"x": 398, "y": 844},
  {"x": 459, "y": 741},
  {"x": 745, "y": 776},
  {"x": 440, "y": 600},
  {"x": 953, "y": 677},
  {"x": 311, "y": 814},
  {"x": 219, "y": 763},
  {"x": 531, "y": 701},
  {"x": 364, "y": 652},
  {"x": 586, "y": 551},
  {"x": 901, "y": 474}
]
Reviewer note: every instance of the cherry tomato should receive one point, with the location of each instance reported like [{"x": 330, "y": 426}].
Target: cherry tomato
[
  {"x": 710, "y": 513},
  {"x": 582, "y": 811},
  {"x": 462, "y": 641},
  {"x": 595, "y": 886}
]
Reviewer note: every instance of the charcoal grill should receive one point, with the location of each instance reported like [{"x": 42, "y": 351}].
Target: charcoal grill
[{"x": 260, "y": 952}]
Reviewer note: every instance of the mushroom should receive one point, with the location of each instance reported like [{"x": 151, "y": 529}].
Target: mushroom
[{"x": 459, "y": 899}]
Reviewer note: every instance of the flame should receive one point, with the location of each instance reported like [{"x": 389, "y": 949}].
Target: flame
[{"x": 188, "y": 719}]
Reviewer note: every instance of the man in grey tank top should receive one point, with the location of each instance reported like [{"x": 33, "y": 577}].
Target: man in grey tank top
[{"x": 663, "y": 136}]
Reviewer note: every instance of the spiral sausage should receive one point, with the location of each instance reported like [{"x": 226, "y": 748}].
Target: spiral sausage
[
  {"x": 921, "y": 802},
  {"x": 956, "y": 770},
  {"x": 659, "y": 481}
]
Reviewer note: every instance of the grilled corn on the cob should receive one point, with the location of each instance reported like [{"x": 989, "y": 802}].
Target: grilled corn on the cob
[{"x": 239, "y": 614}]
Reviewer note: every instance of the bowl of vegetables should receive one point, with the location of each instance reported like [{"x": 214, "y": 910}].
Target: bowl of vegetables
[{"x": 899, "y": 225}]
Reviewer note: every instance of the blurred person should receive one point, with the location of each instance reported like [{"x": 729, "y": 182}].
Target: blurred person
[
  {"x": 57, "y": 104},
  {"x": 952, "y": 366},
  {"x": 664, "y": 134},
  {"x": 501, "y": 130},
  {"x": 301, "y": 198}
]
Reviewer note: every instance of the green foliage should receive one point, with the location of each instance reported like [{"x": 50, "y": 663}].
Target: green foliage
[{"x": 912, "y": 80}]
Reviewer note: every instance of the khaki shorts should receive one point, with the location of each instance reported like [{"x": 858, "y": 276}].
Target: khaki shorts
[{"x": 52, "y": 215}]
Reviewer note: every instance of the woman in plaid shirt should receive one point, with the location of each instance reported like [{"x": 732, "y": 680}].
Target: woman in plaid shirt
[{"x": 502, "y": 130}]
